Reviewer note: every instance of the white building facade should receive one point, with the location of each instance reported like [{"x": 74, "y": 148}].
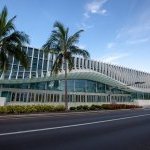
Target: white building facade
[{"x": 90, "y": 82}]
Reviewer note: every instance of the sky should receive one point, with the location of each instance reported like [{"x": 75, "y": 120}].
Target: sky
[{"x": 115, "y": 31}]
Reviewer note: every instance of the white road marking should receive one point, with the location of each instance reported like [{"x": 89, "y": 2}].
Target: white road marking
[{"x": 69, "y": 126}]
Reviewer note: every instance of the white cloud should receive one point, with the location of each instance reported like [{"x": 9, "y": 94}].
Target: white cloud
[
  {"x": 138, "y": 41},
  {"x": 82, "y": 46},
  {"x": 95, "y": 7},
  {"x": 111, "y": 45},
  {"x": 138, "y": 32},
  {"x": 86, "y": 15},
  {"x": 84, "y": 26},
  {"x": 113, "y": 58}
]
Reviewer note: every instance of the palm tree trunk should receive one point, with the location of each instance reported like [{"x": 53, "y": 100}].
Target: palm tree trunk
[{"x": 66, "y": 93}]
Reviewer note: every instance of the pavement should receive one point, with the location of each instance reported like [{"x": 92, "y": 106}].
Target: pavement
[{"x": 107, "y": 130}]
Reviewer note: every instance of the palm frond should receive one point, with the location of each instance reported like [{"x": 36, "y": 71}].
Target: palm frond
[
  {"x": 78, "y": 51},
  {"x": 51, "y": 43},
  {"x": 4, "y": 62},
  {"x": 17, "y": 38},
  {"x": 3, "y": 16},
  {"x": 5, "y": 30},
  {"x": 60, "y": 29},
  {"x": 57, "y": 64},
  {"x": 11, "y": 42},
  {"x": 60, "y": 39},
  {"x": 74, "y": 38},
  {"x": 70, "y": 61},
  {"x": 16, "y": 51}
]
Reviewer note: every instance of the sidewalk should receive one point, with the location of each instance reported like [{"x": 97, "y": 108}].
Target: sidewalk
[{"x": 57, "y": 114}]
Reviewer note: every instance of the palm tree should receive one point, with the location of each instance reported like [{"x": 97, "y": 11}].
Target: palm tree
[
  {"x": 64, "y": 47},
  {"x": 11, "y": 42}
]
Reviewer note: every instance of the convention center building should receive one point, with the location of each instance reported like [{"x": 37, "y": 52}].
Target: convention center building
[{"x": 90, "y": 82}]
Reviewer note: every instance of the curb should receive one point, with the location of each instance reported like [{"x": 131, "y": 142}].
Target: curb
[{"x": 58, "y": 113}]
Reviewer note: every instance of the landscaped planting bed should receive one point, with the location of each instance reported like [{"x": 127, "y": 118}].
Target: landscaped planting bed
[
  {"x": 19, "y": 109},
  {"x": 103, "y": 107}
]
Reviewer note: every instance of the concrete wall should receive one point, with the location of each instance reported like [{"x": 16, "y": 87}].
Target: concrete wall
[
  {"x": 2, "y": 101},
  {"x": 142, "y": 102}
]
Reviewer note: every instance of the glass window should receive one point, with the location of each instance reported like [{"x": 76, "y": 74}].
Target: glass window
[
  {"x": 95, "y": 65},
  {"x": 6, "y": 75},
  {"x": 88, "y": 65},
  {"x": 26, "y": 75},
  {"x": 33, "y": 86},
  {"x": 41, "y": 54},
  {"x": 40, "y": 64},
  {"x": 36, "y": 52},
  {"x": 45, "y": 65},
  {"x": 30, "y": 50},
  {"x": 44, "y": 73},
  {"x": 91, "y": 86},
  {"x": 50, "y": 64},
  {"x": 24, "y": 86},
  {"x": 33, "y": 74},
  {"x": 80, "y": 86},
  {"x": 7, "y": 95},
  {"x": 77, "y": 63},
  {"x": 55, "y": 85},
  {"x": 15, "y": 67},
  {"x": 21, "y": 97},
  {"x": 21, "y": 68},
  {"x": 34, "y": 64},
  {"x": 85, "y": 63},
  {"x": 45, "y": 56},
  {"x": 98, "y": 65},
  {"x": 81, "y": 60},
  {"x": 20, "y": 75},
  {"x": 41, "y": 85},
  {"x": 70, "y": 85},
  {"x": 13, "y": 75},
  {"x": 92, "y": 64},
  {"x": 15, "y": 61},
  {"x": 100, "y": 87}
]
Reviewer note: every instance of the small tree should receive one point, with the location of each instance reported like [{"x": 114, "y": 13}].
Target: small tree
[{"x": 64, "y": 46}]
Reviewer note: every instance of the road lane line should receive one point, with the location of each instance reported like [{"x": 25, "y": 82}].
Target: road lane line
[{"x": 69, "y": 126}]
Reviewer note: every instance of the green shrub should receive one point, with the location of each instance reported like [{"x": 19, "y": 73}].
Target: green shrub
[
  {"x": 95, "y": 107},
  {"x": 118, "y": 106},
  {"x": 79, "y": 107},
  {"x": 59, "y": 108},
  {"x": 73, "y": 108},
  {"x": 3, "y": 110},
  {"x": 85, "y": 107},
  {"x": 17, "y": 109}
]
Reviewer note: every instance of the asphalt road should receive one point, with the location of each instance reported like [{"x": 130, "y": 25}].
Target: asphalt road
[{"x": 111, "y": 130}]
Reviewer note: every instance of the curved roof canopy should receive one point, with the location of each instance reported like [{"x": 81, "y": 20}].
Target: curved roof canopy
[{"x": 81, "y": 74}]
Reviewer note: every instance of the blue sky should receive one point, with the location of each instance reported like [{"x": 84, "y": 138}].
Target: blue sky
[{"x": 116, "y": 31}]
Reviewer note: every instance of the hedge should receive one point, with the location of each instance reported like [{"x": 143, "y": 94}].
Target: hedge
[
  {"x": 104, "y": 106},
  {"x": 18, "y": 109}
]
